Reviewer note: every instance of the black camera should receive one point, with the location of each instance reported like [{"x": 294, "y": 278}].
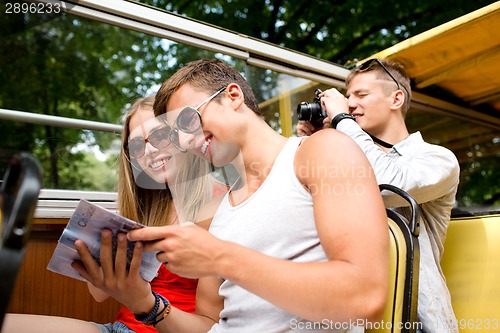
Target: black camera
[{"x": 312, "y": 111}]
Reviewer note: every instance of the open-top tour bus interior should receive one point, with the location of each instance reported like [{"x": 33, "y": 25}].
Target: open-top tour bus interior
[{"x": 73, "y": 126}]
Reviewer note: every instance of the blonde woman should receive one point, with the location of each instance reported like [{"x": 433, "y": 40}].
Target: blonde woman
[{"x": 147, "y": 164}]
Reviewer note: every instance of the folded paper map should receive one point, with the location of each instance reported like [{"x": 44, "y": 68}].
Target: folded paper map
[{"x": 86, "y": 224}]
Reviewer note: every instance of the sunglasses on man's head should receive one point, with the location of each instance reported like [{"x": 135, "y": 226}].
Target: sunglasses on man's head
[
  {"x": 158, "y": 138},
  {"x": 189, "y": 120},
  {"x": 367, "y": 64}
]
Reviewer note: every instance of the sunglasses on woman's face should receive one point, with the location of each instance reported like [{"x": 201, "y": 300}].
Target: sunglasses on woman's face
[
  {"x": 158, "y": 138},
  {"x": 189, "y": 120}
]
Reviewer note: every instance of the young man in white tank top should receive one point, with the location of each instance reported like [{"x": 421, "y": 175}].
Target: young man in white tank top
[{"x": 300, "y": 245}]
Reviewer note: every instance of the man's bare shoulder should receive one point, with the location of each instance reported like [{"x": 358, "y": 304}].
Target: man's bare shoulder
[{"x": 326, "y": 142}]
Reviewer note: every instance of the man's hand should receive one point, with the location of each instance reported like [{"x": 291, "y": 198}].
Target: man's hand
[
  {"x": 305, "y": 128},
  {"x": 189, "y": 250},
  {"x": 334, "y": 103}
]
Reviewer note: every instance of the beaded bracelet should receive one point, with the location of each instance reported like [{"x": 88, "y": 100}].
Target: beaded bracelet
[
  {"x": 154, "y": 317},
  {"x": 162, "y": 315}
]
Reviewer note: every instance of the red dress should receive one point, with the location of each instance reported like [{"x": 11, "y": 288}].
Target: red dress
[{"x": 180, "y": 292}]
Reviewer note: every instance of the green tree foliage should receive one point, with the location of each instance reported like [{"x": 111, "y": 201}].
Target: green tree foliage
[
  {"x": 479, "y": 183},
  {"x": 69, "y": 67},
  {"x": 334, "y": 30},
  {"x": 341, "y": 31},
  {"x": 66, "y": 65}
]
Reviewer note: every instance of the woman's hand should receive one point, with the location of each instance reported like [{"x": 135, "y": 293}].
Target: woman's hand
[
  {"x": 112, "y": 277},
  {"x": 98, "y": 294}
]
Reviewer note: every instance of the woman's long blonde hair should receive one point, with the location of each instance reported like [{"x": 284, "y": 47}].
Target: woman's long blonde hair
[{"x": 153, "y": 206}]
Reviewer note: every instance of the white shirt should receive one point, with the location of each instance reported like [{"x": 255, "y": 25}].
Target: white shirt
[{"x": 430, "y": 174}]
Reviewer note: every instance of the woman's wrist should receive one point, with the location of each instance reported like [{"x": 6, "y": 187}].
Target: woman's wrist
[
  {"x": 159, "y": 311},
  {"x": 147, "y": 306}
]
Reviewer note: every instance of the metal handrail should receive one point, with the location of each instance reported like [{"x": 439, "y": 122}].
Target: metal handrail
[{"x": 43, "y": 119}]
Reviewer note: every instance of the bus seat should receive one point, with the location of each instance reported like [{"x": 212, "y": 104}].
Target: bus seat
[
  {"x": 18, "y": 197},
  {"x": 471, "y": 265},
  {"x": 400, "y": 315}
]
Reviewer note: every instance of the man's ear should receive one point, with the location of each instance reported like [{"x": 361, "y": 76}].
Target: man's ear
[
  {"x": 236, "y": 96},
  {"x": 398, "y": 99}
]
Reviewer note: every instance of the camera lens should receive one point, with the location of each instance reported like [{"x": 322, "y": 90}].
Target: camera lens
[
  {"x": 311, "y": 112},
  {"x": 304, "y": 111}
]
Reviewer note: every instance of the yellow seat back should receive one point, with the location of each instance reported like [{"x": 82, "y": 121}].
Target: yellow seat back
[
  {"x": 400, "y": 315},
  {"x": 471, "y": 265}
]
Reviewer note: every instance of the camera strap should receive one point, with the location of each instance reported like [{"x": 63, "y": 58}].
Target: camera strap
[{"x": 380, "y": 142}]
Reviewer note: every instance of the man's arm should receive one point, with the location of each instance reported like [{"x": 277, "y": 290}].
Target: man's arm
[
  {"x": 351, "y": 222},
  {"x": 425, "y": 174},
  {"x": 352, "y": 226}
]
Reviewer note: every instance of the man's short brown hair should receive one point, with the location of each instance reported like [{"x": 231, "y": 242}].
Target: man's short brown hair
[
  {"x": 395, "y": 68},
  {"x": 207, "y": 75}
]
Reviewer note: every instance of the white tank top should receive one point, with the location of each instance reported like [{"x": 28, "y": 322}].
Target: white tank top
[{"x": 276, "y": 220}]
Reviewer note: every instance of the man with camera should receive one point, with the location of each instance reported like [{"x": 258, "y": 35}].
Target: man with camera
[{"x": 373, "y": 115}]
